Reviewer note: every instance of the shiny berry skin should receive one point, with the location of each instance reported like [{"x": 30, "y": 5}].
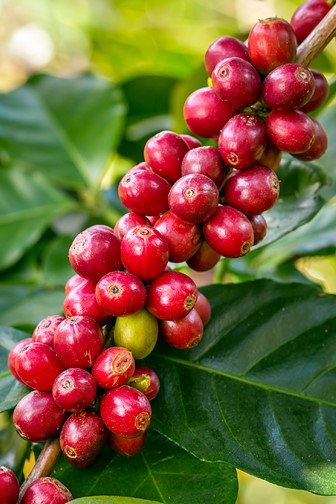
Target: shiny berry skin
[
  {"x": 171, "y": 295},
  {"x": 319, "y": 145},
  {"x": 94, "y": 252},
  {"x": 307, "y": 16},
  {"x": 205, "y": 113},
  {"x": 37, "y": 417},
  {"x": 73, "y": 282},
  {"x": 183, "y": 238},
  {"x": 207, "y": 161},
  {"x": 222, "y": 48},
  {"x": 229, "y": 232},
  {"x": 204, "y": 259},
  {"x": 144, "y": 252},
  {"x": 259, "y": 226},
  {"x": 203, "y": 308},
  {"x": 164, "y": 153},
  {"x": 191, "y": 141},
  {"x": 38, "y": 365},
  {"x": 81, "y": 301},
  {"x": 138, "y": 333},
  {"x": 292, "y": 132},
  {"x": 74, "y": 389},
  {"x": 271, "y": 43},
  {"x": 120, "y": 293},
  {"x": 271, "y": 157},
  {"x": 13, "y": 353},
  {"x": 113, "y": 367},
  {"x": 253, "y": 190},
  {"x": 78, "y": 342},
  {"x": 242, "y": 141},
  {"x": 144, "y": 192},
  {"x": 44, "y": 332},
  {"x": 45, "y": 490},
  {"x": 288, "y": 87},
  {"x": 182, "y": 333},
  {"x": 9, "y": 486},
  {"x": 320, "y": 93},
  {"x": 129, "y": 221},
  {"x": 83, "y": 436},
  {"x": 236, "y": 81},
  {"x": 127, "y": 446},
  {"x": 193, "y": 198},
  {"x": 125, "y": 411},
  {"x": 145, "y": 380}
]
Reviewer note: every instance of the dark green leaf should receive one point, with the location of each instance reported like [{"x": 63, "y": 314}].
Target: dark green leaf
[
  {"x": 112, "y": 500},
  {"x": 327, "y": 119},
  {"x": 162, "y": 472},
  {"x": 259, "y": 390},
  {"x": 28, "y": 205},
  {"x": 65, "y": 128}
]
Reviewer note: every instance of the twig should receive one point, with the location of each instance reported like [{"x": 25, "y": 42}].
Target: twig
[
  {"x": 44, "y": 464},
  {"x": 318, "y": 39}
]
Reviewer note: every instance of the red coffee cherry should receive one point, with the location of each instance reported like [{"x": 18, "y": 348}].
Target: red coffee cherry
[
  {"x": 164, "y": 153},
  {"x": 9, "y": 486},
  {"x": 236, "y": 81},
  {"x": 13, "y": 353},
  {"x": 125, "y": 411},
  {"x": 259, "y": 226},
  {"x": 203, "y": 308},
  {"x": 129, "y": 221},
  {"x": 229, "y": 232},
  {"x": 120, "y": 293},
  {"x": 191, "y": 141},
  {"x": 242, "y": 141},
  {"x": 144, "y": 192},
  {"x": 38, "y": 365},
  {"x": 193, "y": 198},
  {"x": 307, "y": 16},
  {"x": 182, "y": 333},
  {"x": 83, "y": 437},
  {"x": 37, "y": 417},
  {"x": 145, "y": 380},
  {"x": 288, "y": 87},
  {"x": 74, "y": 389},
  {"x": 183, "y": 238},
  {"x": 319, "y": 145},
  {"x": 44, "y": 332},
  {"x": 271, "y": 43},
  {"x": 127, "y": 446},
  {"x": 320, "y": 94},
  {"x": 82, "y": 301},
  {"x": 113, "y": 367},
  {"x": 207, "y": 161},
  {"x": 253, "y": 190},
  {"x": 94, "y": 252},
  {"x": 144, "y": 252},
  {"x": 271, "y": 156},
  {"x": 224, "y": 47},
  {"x": 46, "y": 489},
  {"x": 78, "y": 342},
  {"x": 204, "y": 259},
  {"x": 171, "y": 295},
  {"x": 293, "y": 131},
  {"x": 73, "y": 282},
  {"x": 205, "y": 113}
]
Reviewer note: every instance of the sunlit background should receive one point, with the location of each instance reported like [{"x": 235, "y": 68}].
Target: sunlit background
[{"x": 123, "y": 39}]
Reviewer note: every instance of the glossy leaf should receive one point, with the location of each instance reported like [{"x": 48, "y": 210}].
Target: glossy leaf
[
  {"x": 162, "y": 472},
  {"x": 65, "y": 128},
  {"x": 28, "y": 206},
  {"x": 259, "y": 390},
  {"x": 112, "y": 500}
]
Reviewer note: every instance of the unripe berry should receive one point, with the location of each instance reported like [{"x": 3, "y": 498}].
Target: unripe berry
[
  {"x": 145, "y": 380},
  {"x": 137, "y": 332}
]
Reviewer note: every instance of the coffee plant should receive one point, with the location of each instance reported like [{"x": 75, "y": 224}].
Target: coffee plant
[{"x": 156, "y": 333}]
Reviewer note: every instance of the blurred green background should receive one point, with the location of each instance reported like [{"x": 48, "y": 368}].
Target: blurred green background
[{"x": 132, "y": 42}]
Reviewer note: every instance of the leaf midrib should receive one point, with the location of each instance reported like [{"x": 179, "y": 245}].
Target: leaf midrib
[{"x": 246, "y": 381}]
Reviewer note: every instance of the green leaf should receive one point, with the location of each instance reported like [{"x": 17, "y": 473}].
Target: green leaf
[
  {"x": 22, "y": 305},
  {"x": 65, "y": 128},
  {"x": 259, "y": 390},
  {"x": 112, "y": 500},
  {"x": 28, "y": 204},
  {"x": 11, "y": 391},
  {"x": 162, "y": 472},
  {"x": 300, "y": 187}
]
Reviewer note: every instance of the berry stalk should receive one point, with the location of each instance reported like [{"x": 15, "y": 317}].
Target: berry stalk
[{"x": 318, "y": 39}]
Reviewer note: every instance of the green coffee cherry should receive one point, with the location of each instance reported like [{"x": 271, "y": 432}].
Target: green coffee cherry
[{"x": 137, "y": 332}]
